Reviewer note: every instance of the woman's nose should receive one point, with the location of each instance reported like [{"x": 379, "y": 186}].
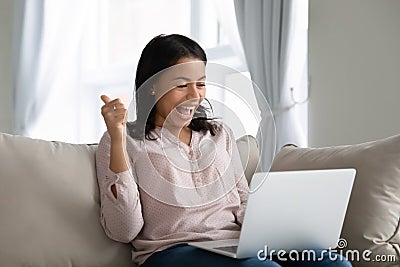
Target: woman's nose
[{"x": 193, "y": 91}]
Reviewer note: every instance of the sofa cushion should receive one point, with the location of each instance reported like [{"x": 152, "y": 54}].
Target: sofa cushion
[
  {"x": 372, "y": 219},
  {"x": 249, "y": 156},
  {"x": 49, "y": 206}
]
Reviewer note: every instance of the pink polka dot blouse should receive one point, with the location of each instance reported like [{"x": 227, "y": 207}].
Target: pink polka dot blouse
[{"x": 173, "y": 193}]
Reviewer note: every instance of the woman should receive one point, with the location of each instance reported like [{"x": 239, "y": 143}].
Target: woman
[{"x": 183, "y": 179}]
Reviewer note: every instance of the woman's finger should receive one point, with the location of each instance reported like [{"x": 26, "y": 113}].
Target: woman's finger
[
  {"x": 111, "y": 114},
  {"x": 118, "y": 106},
  {"x": 108, "y": 108},
  {"x": 105, "y": 99},
  {"x": 114, "y": 102},
  {"x": 114, "y": 105},
  {"x": 119, "y": 112}
]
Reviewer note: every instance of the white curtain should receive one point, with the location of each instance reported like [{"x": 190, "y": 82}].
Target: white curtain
[
  {"x": 268, "y": 33},
  {"x": 45, "y": 73},
  {"x": 27, "y": 42},
  {"x": 225, "y": 10}
]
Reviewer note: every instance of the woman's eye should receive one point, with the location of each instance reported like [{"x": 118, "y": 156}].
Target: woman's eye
[{"x": 186, "y": 85}]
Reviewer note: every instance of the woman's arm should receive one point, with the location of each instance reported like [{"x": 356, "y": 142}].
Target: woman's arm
[
  {"x": 121, "y": 214},
  {"x": 117, "y": 160}
]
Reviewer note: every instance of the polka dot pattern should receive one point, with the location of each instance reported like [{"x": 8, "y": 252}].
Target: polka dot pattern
[{"x": 150, "y": 224}]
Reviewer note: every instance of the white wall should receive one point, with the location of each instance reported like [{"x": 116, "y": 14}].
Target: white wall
[
  {"x": 6, "y": 19},
  {"x": 354, "y": 64}
]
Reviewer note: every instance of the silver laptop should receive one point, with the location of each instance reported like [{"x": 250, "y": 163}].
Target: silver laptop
[{"x": 294, "y": 210}]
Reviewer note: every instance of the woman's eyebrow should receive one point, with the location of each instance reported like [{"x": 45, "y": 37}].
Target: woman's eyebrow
[{"x": 187, "y": 79}]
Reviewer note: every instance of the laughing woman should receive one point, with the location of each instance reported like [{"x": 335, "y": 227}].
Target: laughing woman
[{"x": 155, "y": 173}]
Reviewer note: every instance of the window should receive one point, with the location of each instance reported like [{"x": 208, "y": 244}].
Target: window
[{"x": 114, "y": 33}]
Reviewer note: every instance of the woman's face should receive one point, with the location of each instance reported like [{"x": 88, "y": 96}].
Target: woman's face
[{"x": 179, "y": 91}]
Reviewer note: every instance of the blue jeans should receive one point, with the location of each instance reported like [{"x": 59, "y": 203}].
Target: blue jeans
[{"x": 188, "y": 256}]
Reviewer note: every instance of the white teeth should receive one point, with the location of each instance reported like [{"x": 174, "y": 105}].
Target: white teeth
[{"x": 189, "y": 108}]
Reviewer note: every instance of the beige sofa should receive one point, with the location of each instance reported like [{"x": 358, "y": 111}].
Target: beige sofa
[
  {"x": 49, "y": 204},
  {"x": 49, "y": 200}
]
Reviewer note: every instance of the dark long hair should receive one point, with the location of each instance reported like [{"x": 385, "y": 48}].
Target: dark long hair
[{"x": 162, "y": 52}]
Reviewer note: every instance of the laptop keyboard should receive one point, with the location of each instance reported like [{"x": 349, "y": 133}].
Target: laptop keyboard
[{"x": 231, "y": 249}]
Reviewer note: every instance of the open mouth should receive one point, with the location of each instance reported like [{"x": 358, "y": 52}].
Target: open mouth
[{"x": 185, "y": 110}]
